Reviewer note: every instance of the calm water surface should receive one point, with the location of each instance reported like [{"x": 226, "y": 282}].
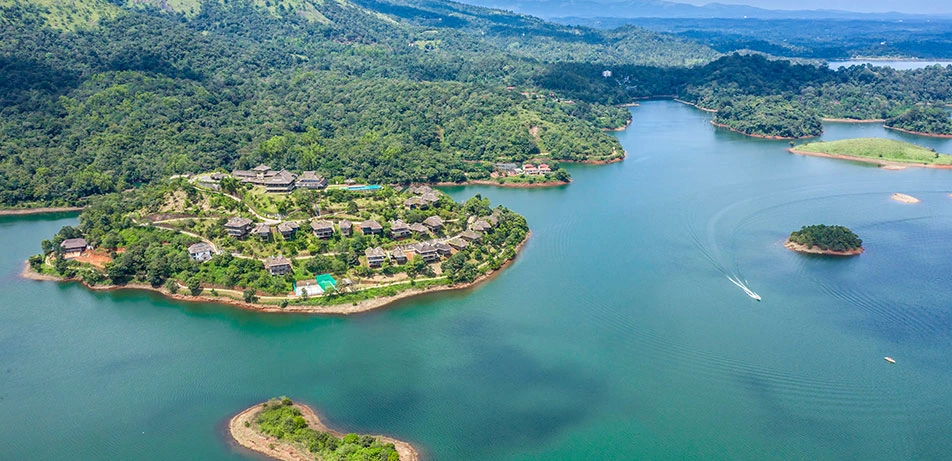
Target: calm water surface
[{"x": 615, "y": 335}]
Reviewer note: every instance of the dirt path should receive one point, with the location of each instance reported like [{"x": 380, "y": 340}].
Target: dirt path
[
  {"x": 29, "y": 211},
  {"x": 249, "y": 437}
]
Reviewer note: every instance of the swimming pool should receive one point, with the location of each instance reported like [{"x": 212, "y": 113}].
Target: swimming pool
[{"x": 370, "y": 187}]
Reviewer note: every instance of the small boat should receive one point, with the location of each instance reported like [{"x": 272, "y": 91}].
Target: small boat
[
  {"x": 889, "y": 359},
  {"x": 755, "y": 296}
]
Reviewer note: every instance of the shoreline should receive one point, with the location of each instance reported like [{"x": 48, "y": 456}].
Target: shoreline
[
  {"x": 511, "y": 185},
  {"x": 620, "y": 128},
  {"x": 35, "y": 211},
  {"x": 705, "y": 109},
  {"x": 345, "y": 308},
  {"x": 815, "y": 250},
  {"x": 253, "y": 440},
  {"x": 886, "y": 164},
  {"x": 919, "y": 133},
  {"x": 761, "y": 136},
  {"x": 853, "y": 120}
]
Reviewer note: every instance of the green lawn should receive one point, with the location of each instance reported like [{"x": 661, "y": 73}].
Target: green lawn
[{"x": 878, "y": 148}]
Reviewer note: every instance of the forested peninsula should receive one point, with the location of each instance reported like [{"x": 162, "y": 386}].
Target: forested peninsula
[
  {"x": 102, "y": 96},
  {"x": 923, "y": 120},
  {"x": 339, "y": 250}
]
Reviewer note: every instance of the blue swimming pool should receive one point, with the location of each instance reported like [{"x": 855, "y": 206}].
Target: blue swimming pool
[{"x": 370, "y": 187}]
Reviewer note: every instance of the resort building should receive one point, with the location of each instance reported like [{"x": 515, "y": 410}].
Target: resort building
[
  {"x": 258, "y": 175},
  {"x": 277, "y": 265},
  {"x": 543, "y": 168},
  {"x": 433, "y": 222},
  {"x": 506, "y": 169},
  {"x": 470, "y": 235},
  {"x": 200, "y": 252},
  {"x": 428, "y": 252},
  {"x": 323, "y": 229},
  {"x": 288, "y": 229},
  {"x": 282, "y": 182},
  {"x": 430, "y": 198},
  {"x": 418, "y": 228},
  {"x": 375, "y": 256},
  {"x": 262, "y": 230},
  {"x": 481, "y": 225},
  {"x": 346, "y": 227},
  {"x": 371, "y": 226},
  {"x": 442, "y": 248},
  {"x": 399, "y": 229},
  {"x": 310, "y": 180},
  {"x": 414, "y": 203},
  {"x": 73, "y": 247},
  {"x": 457, "y": 243},
  {"x": 238, "y": 227},
  {"x": 398, "y": 256},
  {"x": 420, "y": 190}
]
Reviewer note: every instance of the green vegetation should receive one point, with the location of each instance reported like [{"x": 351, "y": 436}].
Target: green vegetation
[
  {"x": 280, "y": 419},
  {"x": 827, "y": 238},
  {"x": 879, "y": 149},
  {"x": 380, "y": 92},
  {"x": 143, "y": 236},
  {"x": 923, "y": 119},
  {"x": 770, "y": 116}
]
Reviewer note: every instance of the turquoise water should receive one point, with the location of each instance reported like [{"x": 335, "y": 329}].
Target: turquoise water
[{"x": 616, "y": 334}]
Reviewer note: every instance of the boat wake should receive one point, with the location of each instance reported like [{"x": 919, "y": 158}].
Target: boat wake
[{"x": 743, "y": 286}]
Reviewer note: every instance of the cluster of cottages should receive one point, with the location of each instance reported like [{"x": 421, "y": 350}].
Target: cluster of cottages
[
  {"x": 432, "y": 250},
  {"x": 279, "y": 181},
  {"x": 512, "y": 169}
]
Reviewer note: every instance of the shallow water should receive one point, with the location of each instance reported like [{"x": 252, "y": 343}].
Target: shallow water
[{"x": 616, "y": 334}]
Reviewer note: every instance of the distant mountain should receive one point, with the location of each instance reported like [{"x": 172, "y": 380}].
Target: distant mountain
[{"x": 551, "y": 9}]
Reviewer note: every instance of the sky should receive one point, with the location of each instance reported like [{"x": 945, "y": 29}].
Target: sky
[{"x": 865, "y": 6}]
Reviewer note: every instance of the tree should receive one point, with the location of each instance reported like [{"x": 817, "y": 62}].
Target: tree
[
  {"x": 172, "y": 286},
  {"x": 194, "y": 286},
  {"x": 249, "y": 295}
]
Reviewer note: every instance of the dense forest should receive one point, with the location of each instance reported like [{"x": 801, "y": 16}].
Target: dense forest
[
  {"x": 923, "y": 119},
  {"x": 102, "y": 96},
  {"x": 835, "y": 238},
  {"x": 143, "y": 95}
]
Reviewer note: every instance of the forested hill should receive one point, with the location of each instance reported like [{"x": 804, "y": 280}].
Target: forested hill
[{"x": 99, "y": 96}]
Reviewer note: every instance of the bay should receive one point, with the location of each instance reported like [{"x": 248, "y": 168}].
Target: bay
[{"x": 616, "y": 334}]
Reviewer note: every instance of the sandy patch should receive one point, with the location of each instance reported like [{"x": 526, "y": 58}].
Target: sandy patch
[
  {"x": 904, "y": 198},
  {"x": 819, "y": 251}
]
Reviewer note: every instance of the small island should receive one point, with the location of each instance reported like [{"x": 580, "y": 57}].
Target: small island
[
  {"x": 883, "y": 152},
  {"x": 282, "y": 429},
  {"x": 282, "y": 242},
  {"x": 825, "y": 240}
]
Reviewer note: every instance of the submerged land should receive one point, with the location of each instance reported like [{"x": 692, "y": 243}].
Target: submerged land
[
  {"x": 881, "y": 151},
  {"x": 243, "y": 239},
  {"x": 284, "y": 430}
]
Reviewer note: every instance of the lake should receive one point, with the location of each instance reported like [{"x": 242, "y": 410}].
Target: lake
[
  {"x": 898, "y": 64},
  {"x": 616, "y": 334}
]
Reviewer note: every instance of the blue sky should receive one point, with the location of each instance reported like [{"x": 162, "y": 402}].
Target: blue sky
[{"x": 869, "y": 6}]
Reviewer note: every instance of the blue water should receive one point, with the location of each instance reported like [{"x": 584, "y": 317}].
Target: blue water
[{"x": 615, "y": 334}]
